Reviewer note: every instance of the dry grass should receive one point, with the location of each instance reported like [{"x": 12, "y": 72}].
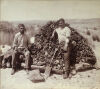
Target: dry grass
[
  {"x": 8, "y": 30},
  {"x": 88, "y": 32}
]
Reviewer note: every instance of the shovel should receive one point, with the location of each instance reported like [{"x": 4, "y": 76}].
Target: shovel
[{"x": 48, "y": 67}]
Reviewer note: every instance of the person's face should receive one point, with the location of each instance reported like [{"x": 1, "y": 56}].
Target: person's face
[
  {"x": 61, "y": 23},
  {"x": 22, "y": 29}
]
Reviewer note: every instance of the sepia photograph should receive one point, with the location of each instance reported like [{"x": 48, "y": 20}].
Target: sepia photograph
[{"x": 49, "y": 44}]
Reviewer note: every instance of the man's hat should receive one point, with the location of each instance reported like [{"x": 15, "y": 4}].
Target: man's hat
[
  {"x": 21, "y": 25},
  {"x": 61, "y": 20}
]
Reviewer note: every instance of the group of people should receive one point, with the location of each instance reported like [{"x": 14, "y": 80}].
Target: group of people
[
  {"x": 21, "y": 46},
  {"x": 21, "y": 43}
]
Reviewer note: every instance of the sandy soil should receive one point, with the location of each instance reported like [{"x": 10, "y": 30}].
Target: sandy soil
[{"x": 82, "y": 80}]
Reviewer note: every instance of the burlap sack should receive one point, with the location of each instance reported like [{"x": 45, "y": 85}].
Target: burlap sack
[{"x": 35, "y": 76}]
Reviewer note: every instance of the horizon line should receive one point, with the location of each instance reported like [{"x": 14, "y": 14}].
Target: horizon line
[{"x": 47, "y": 19}]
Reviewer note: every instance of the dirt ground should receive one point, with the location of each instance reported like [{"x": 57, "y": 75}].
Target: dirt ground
[{"x": 82, "y": 80}]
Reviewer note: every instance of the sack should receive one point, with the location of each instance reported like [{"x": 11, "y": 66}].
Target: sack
[{"x": 35, "y": 76}]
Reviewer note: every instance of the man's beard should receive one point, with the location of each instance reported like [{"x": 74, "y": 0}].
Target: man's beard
[{"x": 22, "y": 32}]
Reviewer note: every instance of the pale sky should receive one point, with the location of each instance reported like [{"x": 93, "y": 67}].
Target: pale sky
[{"x": 19, "y": 10}]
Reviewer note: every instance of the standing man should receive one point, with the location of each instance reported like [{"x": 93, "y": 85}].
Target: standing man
[
  {"x": 63, "y": 38},
  {"x": 20, "y": 46}
]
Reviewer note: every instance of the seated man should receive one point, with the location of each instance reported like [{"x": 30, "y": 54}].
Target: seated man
[{"x": 20, "y": 46}]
